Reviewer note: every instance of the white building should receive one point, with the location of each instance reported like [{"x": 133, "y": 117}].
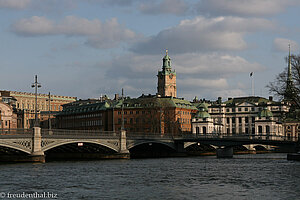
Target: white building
[{"x": 243, "y": 115}]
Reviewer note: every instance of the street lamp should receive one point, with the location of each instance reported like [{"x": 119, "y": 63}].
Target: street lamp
[
  {"x": 122, "y": 105},
  {"x": 49, "y": 116},
  {"x": 36, "y": 85}
]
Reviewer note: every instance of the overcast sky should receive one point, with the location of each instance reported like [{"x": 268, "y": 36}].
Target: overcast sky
[{"x": 88, "y": 48}]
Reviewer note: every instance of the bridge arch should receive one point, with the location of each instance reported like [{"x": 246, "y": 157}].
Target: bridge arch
[
  {"x": 53, "y": 145},
  {"x": 135, "y": 144},
  {"x": 16, "y": 147}
]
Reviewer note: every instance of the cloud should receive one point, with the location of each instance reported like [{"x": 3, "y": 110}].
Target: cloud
[
  {"x": 204, "y": 34},
  {"x": 176, "y": 7},
  {"x": 113, "y": 2},
  {"x": 213, "y": 65},
  {"x": 98, "y": 34},
  {"x": 281, "y": 44},
  {"x": 14, "y": 4},
  {"x": 197, "y": 73},
  {"x": 244, "y": 8}
]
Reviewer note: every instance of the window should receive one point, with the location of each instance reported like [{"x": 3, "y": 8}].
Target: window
[
  {"x": 246, "y": 120},
  {"x": 197, "y": 130},
  {"x": 259, "y": 129},
  {"x": 239, "y": 109},
  {"x": 246, "y": 109},
  {"x": 253, "y": 119},
  {"x": 267, "y": 129},
  {"x": 204, "y": 129},
  {"x": 233, "y": 109},
  {"x": 131, "y": 112},
  {"x": 137, "y": 112},
  {"x": 227, "y": 110},
  {"x": 227, "y": 120},
  {"x": 252, "y": 109},
  {"x": 233, "y": 120},
  {"x": 240, "y": 120}
]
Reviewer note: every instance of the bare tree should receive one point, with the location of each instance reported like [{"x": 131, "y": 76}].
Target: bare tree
[{"x": 279, "y": 86}]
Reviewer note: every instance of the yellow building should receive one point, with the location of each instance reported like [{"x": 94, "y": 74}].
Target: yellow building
[{"x": 25, "y": 102}]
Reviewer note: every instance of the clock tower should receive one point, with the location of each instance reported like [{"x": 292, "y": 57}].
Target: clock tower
[{"x": 166, "y": 79}]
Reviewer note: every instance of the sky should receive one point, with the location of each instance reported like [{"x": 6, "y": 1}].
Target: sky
[{"x": 90, "y": 48}]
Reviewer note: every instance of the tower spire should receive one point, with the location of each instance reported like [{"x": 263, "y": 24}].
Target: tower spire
[
  {"x": 289, "y": 65},
  {"x": 289, "y": 82}
]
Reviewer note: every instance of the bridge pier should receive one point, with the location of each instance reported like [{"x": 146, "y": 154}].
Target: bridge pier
[
  {"x": 37, "y": 155},
  {"x": 225, "y": 152},
  {"x": 123, "y": 144}
]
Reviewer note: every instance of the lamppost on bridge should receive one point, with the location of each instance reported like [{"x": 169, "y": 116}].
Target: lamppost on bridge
[
  {"x": 36, "y": 85},
  {"x": 49, "y": 107},
  {"x": 122, "y": 106}
]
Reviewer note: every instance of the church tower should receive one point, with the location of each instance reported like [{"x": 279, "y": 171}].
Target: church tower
[
  {"x": 166, "y": 79},
  {"x": 289, "y": 91}
]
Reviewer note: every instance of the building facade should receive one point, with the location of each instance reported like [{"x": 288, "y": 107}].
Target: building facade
[
  {"x": 8, "y": 119},
  {"x": 85, "y": 115},
  {"x": 242, "y": 115},
  {"x": 154, "y": 114},
  {"x": 24, "y": 103},
  {"x": 166, "y": 85}
]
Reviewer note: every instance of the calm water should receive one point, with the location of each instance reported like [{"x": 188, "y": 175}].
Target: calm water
[{"x": 264, "y": 176}]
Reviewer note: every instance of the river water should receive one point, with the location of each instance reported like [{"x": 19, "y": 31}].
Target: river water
[{"x": 261, "y": 176}]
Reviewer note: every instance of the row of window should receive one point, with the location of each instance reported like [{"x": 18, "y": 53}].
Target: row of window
[
  {"x": 83, "y": 116},
  {"x": 83, "y": 123},
  {"x": 233, "y": 120},
  {"x": 39, "y": 106},
  {"x": 241, "y": 109}
]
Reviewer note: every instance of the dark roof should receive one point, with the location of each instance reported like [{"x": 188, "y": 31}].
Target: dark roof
[
  {"x": 84, "y": 108},
  {"x": 250, "y": 99}
]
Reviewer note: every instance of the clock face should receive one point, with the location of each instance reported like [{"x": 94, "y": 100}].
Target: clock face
[{"x": 171, "y": 76}]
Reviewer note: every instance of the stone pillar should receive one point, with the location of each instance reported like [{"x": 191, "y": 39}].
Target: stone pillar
[
  {"x": 37, "y": 155},
  {"x": 180, "y": 147},
  {"x": 225, "y": 152},
  {"x": 123, "y": 143}
]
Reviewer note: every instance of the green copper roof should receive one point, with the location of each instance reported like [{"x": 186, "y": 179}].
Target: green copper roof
[
  {"x": 202, "y": 114},
  {"x": 153, "y": 101},
  {"x": 203, "y": 105},
  {"x": 265, "y": 113},
  {"x": 252, "y": 100},
  {"x": 85, "y": 108}
]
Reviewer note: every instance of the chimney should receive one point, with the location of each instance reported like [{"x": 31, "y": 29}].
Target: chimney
[
  {"x": 219, "y": 100},
  {"x": 116, "y": 96},
  {"x": 270, "y": 98}
]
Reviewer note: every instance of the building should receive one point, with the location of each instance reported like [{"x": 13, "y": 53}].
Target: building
[
  {"x": 166, "y": 85},
  {"x": 24, "y": 103},
  {"x": 242, "y": 115},
  {"x": 8, "y": 119},
  {"x": 154, "y": 114},
  {"x": 86, "y": 115}
]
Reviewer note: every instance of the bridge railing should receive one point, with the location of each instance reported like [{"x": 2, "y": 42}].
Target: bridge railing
[
  {"x": 242, "y": 136},
  {"x": 142, "y": 135},
  {"x": 19, "y": 131},
  {"x": 64, "y": 133}
]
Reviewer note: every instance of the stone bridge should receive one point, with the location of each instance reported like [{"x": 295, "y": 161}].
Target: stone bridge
[{"x": 37, "y": 142}]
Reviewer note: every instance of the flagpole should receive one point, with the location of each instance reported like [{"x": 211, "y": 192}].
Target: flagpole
[{"x": 252, "y": 84}]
